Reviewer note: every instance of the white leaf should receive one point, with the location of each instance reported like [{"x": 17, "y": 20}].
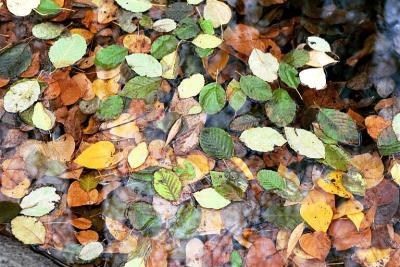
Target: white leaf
[
  {"x": 136, "y": 262},
  {"x": 396, "y": 126},
  {"x": 67, "y": 50},
  {"x": 194, "y": 2},
  {"x": 318, "y": 44},
  {"x": 194, "y": 253},
  {"x": 207, "y": 41},
  {"x": 144, "y": 65},
  {"x": 305, "y": 143},
  {"x": 264, "y": 65},
  {"x": 209, "y": 198},
  {"x": 22, "y": 8},
  {"x": 313, "y": 78},
  {"x": 262, "y": 139},
  {"x": 164, "y": 25},
  {"x": 319, "y": 59},
  {"x": 217, "y": 12},
  {"x": 91, "y": 251},
  {"x": 135, "y": 5},
  {"x": 191, "y": 86},
  {"x": 21, "y": 96},
  {"x": 40, "y": 201}
]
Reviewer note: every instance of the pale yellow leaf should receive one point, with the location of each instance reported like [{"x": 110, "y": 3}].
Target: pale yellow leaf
[
  {"x": 28, "y": 230},
  {"x": 138, "y": 155},
  {"x": 207, "y": 41}
]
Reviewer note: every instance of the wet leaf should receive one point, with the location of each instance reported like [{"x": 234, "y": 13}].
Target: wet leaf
[
  {"x": 15, "y": 60},
  {"x": 97, "y": 156},
  {"x": 264, "y": 65},
  {"x": 216, "y": 143},
  {"x": 67, "y": 51},
  {"x": 262, "y": 139},
  {"x": 28, "y": 230},
  {"x": 110, "y": 57},
  {"x": 39, "y": 202},
  {"x": 318, "y": 215},
  {"x": 167, "y": 184}
]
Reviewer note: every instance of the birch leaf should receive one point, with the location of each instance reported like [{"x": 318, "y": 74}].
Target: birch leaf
[
  {"x": 205, "y": 41},
  {"x": 313, "y": 78},
  {"x": 28, "y": 230},
  {"x": 264, "y": 65},
  {"x": 40, "y": 201},
  {"x": 97, "y": 156},
  {"x": 144, "y": 65},
  {"x": 22, "y": 8},
  {"x": 305, "y": 143},
  {"x": 67, "y": 50},
  {"x": 262, "y": 139}
]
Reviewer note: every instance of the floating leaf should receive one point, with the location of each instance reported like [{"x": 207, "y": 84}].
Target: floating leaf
[
  {"x": 264, "y": 65},
  {"x": 318, "y": 215},
  {"x": 91, "y": 251},
  {"x": 206, "y": 41},
  {"x": 135, "y": 5},
  {"x": 209, "y": 198},
  {"x": 281, "y": 109},
  {"x": 144, "y": 65},
  {"x": 42, "y": 118},
  {"x": 141, "y": 87},
  {"x": 255, "y": 88},
  {"x": 15, "y": 60},
  {"x": 338, "y": 126},
  {"x": 67, "y": 50},
  {"x": 138, "y": 155},
  {"x": 97, "y": 156},
  {"x": 21, "y": 96},
  {"x": 40, "y": 201},
  {"x": 110, "y": 57},
  {"x": 22, "y": 8},
  {"x": 262, "y": 139},
  {"x": 216, "y": 143},
  {"x": 305, "y": 143},
  {"x": 212, "y": 98},
  {"x": 270, "y": 180},
  {"x": 217, "y": 12},
  {"x": 163, "y": 46},
  {"x": 167, "y": 184},
  {"x": 28, "y": 230},
  {"x": 47, "y": 30},
  {"x": 191, "y": 86}
]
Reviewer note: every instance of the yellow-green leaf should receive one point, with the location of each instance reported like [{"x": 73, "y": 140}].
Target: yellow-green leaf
[
  {"x": 28, "y": 230},
  {"x": 207, "y": 41},
  {"x": 138, "y": 155},
  {"x": 97, "y": 156}
]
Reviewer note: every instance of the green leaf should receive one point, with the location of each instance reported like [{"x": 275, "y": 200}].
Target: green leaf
[
  {"x": 135, "y": 5},
  {"x": 144, "y": 218},
  {"x": 47, "y": 30},
  {"x": 338, "y": 126},
  {"x": 67, "y": 50},
  {"x": 209, "y": 198},
  {"x": 187, "y": 29},
  {"x": 305, "y": 143},
  {"x": 297, "y": 58},
  {"x": 283, "y": 217},
  {"x": 15, "y": 60},
  {"x": 110, "y": 57},
  {"x": 216, "y": 143},
  {"x": 236, "y": 96},
  {"x": 167, "y": 184},
  {"x": 89, "y": 181},
  {"x": 206, "y": 26},
  {"x": 230, "y": 184},
  {"x": 354, "y": 182},
  {"x": 271, "y": 180},
  {"x": 40, "y": 201},
  {"x": 144, "y": 65},
  {"x": 281, "y": 109},
  {"x": 387, "y": 142},
  {"x": 336, "y": 157},
  {"x": 289, "y": 75},
  {"x": 178, "y": 11},
  {"x": 110, "y": 108},
  {"x": 48, "y": 8},
  {"x": 185, "y": 171},
  {"x": 9, "y": 210},
  {"x": 236, "y": 260},
  {"x": 255, "y": 88},
  {"x": 201, "y": 52},
  {"x": 141, "y": 88},
  {"x": 187, "y": 221},
  {"x": 163, "y": 46},
  {"x": 212, "y": 98}
]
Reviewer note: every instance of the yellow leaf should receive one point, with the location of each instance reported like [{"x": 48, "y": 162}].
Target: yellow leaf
[
  {"x": 97, "y": 156},
  {"x": 294, "y": 238},
  {"x": 395, "y": 172},
  {"x": 18, "y": 191},
  {"x": 241, "y": 165},
  {"x": 191, "y": 86},
  {"x": 207, "y": 41},
  {"x": 138, "y": 155},
  {"x": 318, "y": 215},
  {"x": 124, "y": 126},
  {"x": 370, "y": 257},
  {"x": 103, "y": 89},
  {"x": 42, "y": 118},
  {"x": 28, "y": 230},
  {"x": 351, "y": 206},
  {"x": 169, "y": 64},
  {"x": 356, "y": 218},
  {"x": 334, "y": 184}
]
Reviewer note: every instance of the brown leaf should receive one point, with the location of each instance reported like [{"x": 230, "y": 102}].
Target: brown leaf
[
  {"x": 345, "y": 235},
  {"x": 263, "y": 253},
  {"x": 375, "y": 124},
  {"x": 81, "y": 223},
  {"x": 218, "y": 250},
  {"x": 316, "y": 244},
  {"x": 85, "y": 237},
  {"x": 76, "y": 196}
]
